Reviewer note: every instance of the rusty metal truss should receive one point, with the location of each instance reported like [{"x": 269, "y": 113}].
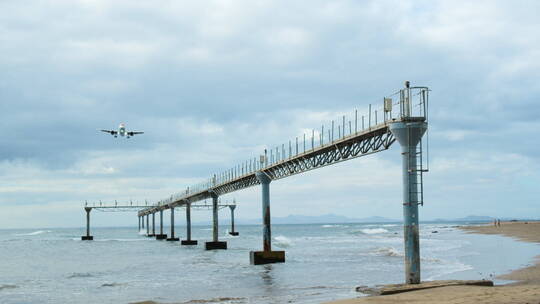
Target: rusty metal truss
[{"x": 376, "y": 139}]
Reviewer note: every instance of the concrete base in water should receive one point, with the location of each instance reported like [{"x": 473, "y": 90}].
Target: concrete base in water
[
  {"x": 215, "y": 245},
  {"x": 173, "y": 239},
  {"x": 161, "y": 236},
  {"x": 266, "y": 257},
  {"x": 87, "y": 238},
  {"x": 188, "y": 242},
  {"x": 234, "y": 233},
  {"x": 150, "y": 235}
]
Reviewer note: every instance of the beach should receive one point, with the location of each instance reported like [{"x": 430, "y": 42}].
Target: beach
[{"x": 525, "y": 289}]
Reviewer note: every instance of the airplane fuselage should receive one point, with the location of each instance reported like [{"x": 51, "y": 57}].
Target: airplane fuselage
[{"x": 122, "y": 130}]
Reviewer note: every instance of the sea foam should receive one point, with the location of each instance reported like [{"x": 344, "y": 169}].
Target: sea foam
[
  {"x": 332, "y": 226},
  {"x": 34, "y": 233},
  {"x": 373, "y": 230},
  {"x": 282, "y": 241},
  {"x": 387, "y": 251}
]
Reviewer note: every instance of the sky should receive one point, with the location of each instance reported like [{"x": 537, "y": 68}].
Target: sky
[{"x": 213, "y": 83}]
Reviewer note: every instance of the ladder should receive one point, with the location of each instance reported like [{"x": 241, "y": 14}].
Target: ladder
[{"x": 416, "y": 174}]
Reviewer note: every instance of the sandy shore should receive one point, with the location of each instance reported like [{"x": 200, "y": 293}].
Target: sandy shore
[{"x": 526, "y": 290}]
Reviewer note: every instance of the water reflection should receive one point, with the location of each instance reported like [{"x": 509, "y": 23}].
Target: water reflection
[{"x": 266, "y": 276}]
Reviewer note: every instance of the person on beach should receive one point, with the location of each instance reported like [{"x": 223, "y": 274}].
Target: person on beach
[{"x": 499, "y": 222}]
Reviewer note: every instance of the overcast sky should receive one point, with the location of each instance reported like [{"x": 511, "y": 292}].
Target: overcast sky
[{"x": 213, "y": 83}]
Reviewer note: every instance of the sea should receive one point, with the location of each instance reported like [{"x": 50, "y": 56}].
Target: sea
[{"x": 324, "y": 262}]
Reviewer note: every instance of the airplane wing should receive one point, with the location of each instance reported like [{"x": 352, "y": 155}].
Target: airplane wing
[
  {"x": 112, "y": 132},
  {"x": 134, "y": 133}
]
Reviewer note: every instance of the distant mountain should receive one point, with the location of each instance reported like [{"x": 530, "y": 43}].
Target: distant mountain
[{"x": 470, "y": 218}]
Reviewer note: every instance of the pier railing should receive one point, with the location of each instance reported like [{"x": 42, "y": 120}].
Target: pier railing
[{"x": 136, "y": 206}]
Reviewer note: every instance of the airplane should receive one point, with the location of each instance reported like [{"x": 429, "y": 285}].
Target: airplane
[{"x": 121, "y": 131}]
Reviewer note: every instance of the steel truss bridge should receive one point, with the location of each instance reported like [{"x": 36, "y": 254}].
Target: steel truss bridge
[{"x": 370, "y": 141}]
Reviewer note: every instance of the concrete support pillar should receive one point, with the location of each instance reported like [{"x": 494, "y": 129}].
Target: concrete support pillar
[
  {"x": 188, "y": 221},
  {"x": 215, "y": 221},
  {"x": 188, "y": 241},
  {"x": 147, "y": 225},
  {"x": 267, "y": 255},
  {"x": 232, "y": 232},
  {"x": 142, "y": 221},
  {"x": 172, "y": 238},
  {"x": 161, "y": 221},
  {"x": 139, "y": 222},
  {"x": 161, "y": 236},
  {"x": 87, "y": 237},
  {"x": 215, "y": 244},
  {"x": 153, "y": 225},
  {"x": 409, "y": 135}
]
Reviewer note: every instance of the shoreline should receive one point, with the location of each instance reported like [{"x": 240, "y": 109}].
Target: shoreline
[
  {"x": 525, "y": 289},
  {"x": 521, "y": 231}
]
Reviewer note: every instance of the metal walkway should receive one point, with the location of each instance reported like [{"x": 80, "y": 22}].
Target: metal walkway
[
  {"x": 137, "y": 207},
  {"x": 375, "y": 139}
]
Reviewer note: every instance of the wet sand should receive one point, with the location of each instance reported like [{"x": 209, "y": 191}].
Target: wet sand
[{"x": 525, "y": 290}]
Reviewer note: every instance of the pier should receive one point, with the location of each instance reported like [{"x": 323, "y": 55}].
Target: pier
[
  {"x": 400, "y": 116},
  {"x": 115, "y": 207}
]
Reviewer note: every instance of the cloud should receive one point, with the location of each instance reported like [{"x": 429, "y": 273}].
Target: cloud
[{"x": 214, "y": 84}]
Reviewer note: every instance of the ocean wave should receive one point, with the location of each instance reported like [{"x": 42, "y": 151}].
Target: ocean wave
[
  {"x": 373, "y": 230},
  {"x": 142, "y": 232},
  {"x": 115, "y": 240},
  {"x": 333, "y": 226},
  {"x": 318, "y": 287},
  {"x": 282, "y": 241},
  {"x": 8, "y": 286},
  {"x": 434, "y": 260},
  {"x": 387, "y": 251},
  {"x": 34, "y": 233},
  {"x": 120, "y": 240},
  {"x": 449, "y": 269},
  {"x": 217, "y": 300},
  {"x": 79, "y": 275},
  {"x": 114, "y": 284}
]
